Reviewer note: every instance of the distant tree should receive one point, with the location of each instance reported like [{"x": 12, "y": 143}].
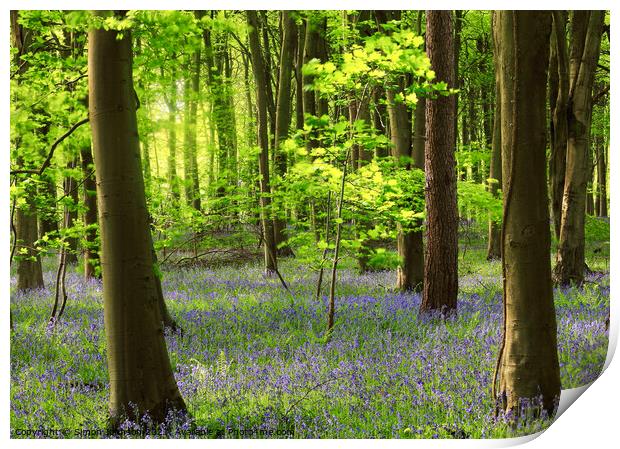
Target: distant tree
[
  {"x": 440, "y": 258},
  {"x": 29, "y": 273},
  {"x": 528, "y": 360},
  {"x": 138, "y": 363}
]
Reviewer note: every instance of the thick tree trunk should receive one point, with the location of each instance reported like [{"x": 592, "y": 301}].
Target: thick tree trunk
[
  {"x": 528, "y": 365},
  {"x": 89, "y": 197},
  {"x": 440, "y": 259},
  {"x": 138, "y": 363},
  {"x": 494, "y": 247},
  {"x": 570, "y": 260},
  {"x": 263, "y": 139},
  {"x": 283, "y": 116}
]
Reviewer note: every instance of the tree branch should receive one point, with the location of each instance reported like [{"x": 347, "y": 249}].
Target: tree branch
[
  {"x": 600, "y": 94},
  {"x": 47, "y": 161}
]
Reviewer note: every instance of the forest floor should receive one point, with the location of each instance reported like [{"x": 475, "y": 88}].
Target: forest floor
[{"x": 252, "y": 362}]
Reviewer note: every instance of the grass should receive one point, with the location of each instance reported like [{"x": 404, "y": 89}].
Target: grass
[{"x": 251, "y": 364}]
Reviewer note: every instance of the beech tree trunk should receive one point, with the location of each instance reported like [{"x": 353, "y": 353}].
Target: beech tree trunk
[
  {"x": 263, "y": 140},
  {"x": 558, "y": 100},
  {"x": 528, "y": 365},
  {"x": 140, "y": 373},
  {"x": 70, "y": 213},
  {"x": 283, "y": 115},
  {"x": 494, "y": 247},
  {"x": 601, "y": 167},
  {"x": 173, "y": 180},
  {"x": 440, "y": 258},
  {"x": 190, "y": 162},
  {"x": 585, "y": 48},
  {"x": 89, "y": 197}
]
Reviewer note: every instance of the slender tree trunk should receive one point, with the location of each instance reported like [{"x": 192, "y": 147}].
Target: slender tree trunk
[
  {"x": 299, "y": 80},
  {"x": 223, "y": 114},
  {"x": 173, "y": 180},
  {"x": 601, "y": 168},
  {"x": 558, "y": 100},
  {"x": 440, "y": 259},
  {"x": 528, "y": 364},
  {"x": 283, "y": 116},
  {"x": 494, "y": 247},
  {"x": 89, "y": 192},
  {"x": 263, "y": 138},
  {"x": 138, "y": 363},
  {"x": 190, "y": 163},
  {"x": 48, "y": 220},
  {"x": 570, "y": 260},
  {"x": 410, "y": 272},
  {"x": 71, "y": 191}
]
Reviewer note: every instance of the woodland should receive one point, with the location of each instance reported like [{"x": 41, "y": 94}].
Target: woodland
[{"x": 306, "y": 224}]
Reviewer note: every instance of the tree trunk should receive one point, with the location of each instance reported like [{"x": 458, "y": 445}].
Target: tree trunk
[
  {"x": 570, "y": 260},
  {"x": 48, "y": 219},
  {"x": 173, "y": 180},
  {"x": 299, "y": 79},
  {"x": 190, "y": 163},
  {"x": 440, "y": 258},
  {"x": 558, "y": 100},
  {"x": 29, "y": 273},
  {"x": 410, "y": 272},
  {"x": 223, "y": 114},
  {"x": 263, "y": 139},
  {"x": 71, "y": 191},
  {"x": 494, "y": 247},
  {"x": 601, "y": 168},
  {"x": 89, "y": 195},
  {"x": 528, "y": 362},
  {"x": 141, "y": 378},
  {"x": 283, "y": 116}
]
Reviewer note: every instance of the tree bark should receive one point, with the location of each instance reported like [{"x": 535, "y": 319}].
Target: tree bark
[
  {"x": 263, "y": 140},
  {"x": 71, "y": 191},
  {"x": 494, "y": 247},
  {"x": 190, "y": 162},
  {"x": 440, "y": 259},
  {"x": 528, "y": 362},
  {"x": 585, "y": 48},
  {"x": 283, "y": 116},
  {"x": 601, "y": 168},
  {"x": 558, "y": 100},
  {"x": 173, "y": 180},
  {"x": 89, "y": 197},
  {"x": 141, "y": 378}
]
